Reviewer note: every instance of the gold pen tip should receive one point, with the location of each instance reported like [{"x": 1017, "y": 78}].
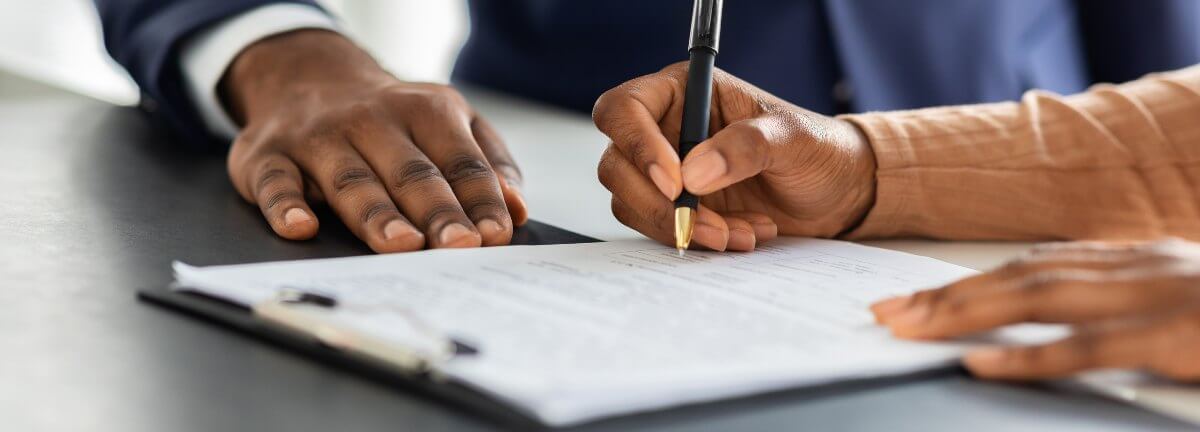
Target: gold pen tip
[{"x": 685, "y": 220}]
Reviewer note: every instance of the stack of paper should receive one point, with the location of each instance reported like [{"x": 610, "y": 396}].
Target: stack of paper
[{"x": 570, "y": 333}]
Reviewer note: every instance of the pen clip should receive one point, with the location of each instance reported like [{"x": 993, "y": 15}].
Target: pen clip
[
  {"x": 706, "y": 25},
  {"x": 309, "y": 313}
]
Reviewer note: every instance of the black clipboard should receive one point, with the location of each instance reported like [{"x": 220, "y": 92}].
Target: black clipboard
[{"x": 241, "y": 319}]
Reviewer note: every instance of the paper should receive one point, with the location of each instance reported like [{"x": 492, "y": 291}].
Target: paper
[{"x": 570, "y": 333}]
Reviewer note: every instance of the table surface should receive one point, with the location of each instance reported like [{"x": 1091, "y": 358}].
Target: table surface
[{"x": 97, "y": 204}]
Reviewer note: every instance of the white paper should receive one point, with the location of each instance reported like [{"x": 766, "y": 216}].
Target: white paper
[{"x": 570, "y": 333}]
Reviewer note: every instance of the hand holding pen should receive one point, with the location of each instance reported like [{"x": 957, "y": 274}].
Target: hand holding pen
[{"x": 770, "y": 167}]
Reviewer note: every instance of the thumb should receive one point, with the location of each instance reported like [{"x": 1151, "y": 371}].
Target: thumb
[{"x": 737, "y": 152}]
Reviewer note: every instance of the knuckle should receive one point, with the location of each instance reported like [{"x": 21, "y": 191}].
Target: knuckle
[
  {"x": 601, "y": 107},
  {"x": 371, "y": 209},
  {"x": 466, "y": 168},
  {"x": 677, "y": 69},
  {"x": 269, "y": 176},
  {"x": 1018, "y": 268},
  {"x": 623, "y": 213},
  {"x": 930, "y": 298},
  {"x": 636, "y": 150},
  {"x": 441, "y": 213},
  {"x": 1028, "y": 356},
  {"x": 350, "y": 176},
  {"x": 484, "y": 206},
  {"x": 605, "y": 171},
  {"x": 280, "y": 196},
  {"x": 412, "y": 174},
  {"x": 753, "y": 133},
  {"x": 606, "y": 106},
  {"x": 1040, "y": 282}
]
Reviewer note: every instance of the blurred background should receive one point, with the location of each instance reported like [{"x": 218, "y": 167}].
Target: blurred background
[{"x": 58, "y": 41}]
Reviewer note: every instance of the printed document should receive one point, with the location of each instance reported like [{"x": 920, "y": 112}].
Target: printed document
[{"x": 570, "y": 333}]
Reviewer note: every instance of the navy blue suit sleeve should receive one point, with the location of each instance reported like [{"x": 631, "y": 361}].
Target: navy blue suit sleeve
[
  {"x": 144, "y": 37},
  {"x": 1127, "y": 39}
]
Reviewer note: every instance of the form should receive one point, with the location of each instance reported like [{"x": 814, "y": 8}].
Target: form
[{"x": 570, "y": 333}]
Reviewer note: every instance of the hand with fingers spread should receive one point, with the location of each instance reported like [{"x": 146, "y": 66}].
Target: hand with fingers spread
[
  {"x": 404, "y": 165},
  {"x": 1132, "y": 305},
  {"x": 769, "y": 168}
]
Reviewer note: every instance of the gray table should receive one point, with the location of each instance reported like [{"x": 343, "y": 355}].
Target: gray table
[{"x": 96, "y": 204}]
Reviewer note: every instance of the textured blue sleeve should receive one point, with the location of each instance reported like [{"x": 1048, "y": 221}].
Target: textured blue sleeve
[{"x": 144, "y": 37}]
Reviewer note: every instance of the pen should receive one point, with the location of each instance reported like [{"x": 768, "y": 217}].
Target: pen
[{"x": 702, "y": 55}]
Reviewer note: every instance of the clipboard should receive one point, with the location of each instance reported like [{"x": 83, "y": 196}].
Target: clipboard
[{"x": 281, "y": 323}]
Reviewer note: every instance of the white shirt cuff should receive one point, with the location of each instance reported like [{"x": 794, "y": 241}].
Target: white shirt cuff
[{"x": 205, "y": 56}]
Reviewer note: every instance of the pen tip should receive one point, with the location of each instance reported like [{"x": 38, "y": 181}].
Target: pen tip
[{"x": 684, "y": 221}]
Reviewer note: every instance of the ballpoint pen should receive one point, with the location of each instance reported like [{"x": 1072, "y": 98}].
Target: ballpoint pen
[{"x": 702, "y": 56}]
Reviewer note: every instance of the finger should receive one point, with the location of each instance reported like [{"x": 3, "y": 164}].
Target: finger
[
  {"x": 764, "y": 227},
  {"x": 277, "y": 188},
  {"x": 417, "y": 186},
  {"x": 447, "y": 140},
  {"x": 737, "y": 152},
  {"x": 1090, "y": 254},
  {"x": 505, "y": 167},
  {"x": 1094, "y": 247},
  {"x": 1127, "y": 347},
  {"x": 712, "y": 231},
  {"x": 630, "y": 115},
  {"x": 1002, "y": 277},
  {"x": 741, "y": 235},
  {"x": 355, "y": 194},
  {"x": 1178, "y": 353},
  {"x": 651, "y": 213},
  {"x": 1067, "y": 296}
]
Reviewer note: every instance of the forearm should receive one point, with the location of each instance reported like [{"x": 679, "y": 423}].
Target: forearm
[
  {"x": 147, "y": 38},
  {"x": 1119, "y": 162}
]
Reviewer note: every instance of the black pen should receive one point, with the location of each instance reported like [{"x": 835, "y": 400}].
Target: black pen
[{"x": 702, "y": 56}]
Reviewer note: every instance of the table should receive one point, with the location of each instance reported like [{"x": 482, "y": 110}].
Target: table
[{"x": 97, "y": 203}]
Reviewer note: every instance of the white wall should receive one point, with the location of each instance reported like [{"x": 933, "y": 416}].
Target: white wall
[{"x": 58, "y": 41}]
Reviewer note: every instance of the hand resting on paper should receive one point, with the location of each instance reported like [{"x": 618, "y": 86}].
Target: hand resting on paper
[
  {"x": 404, "y": 165},
  {"x": 1132, "y": 305}
]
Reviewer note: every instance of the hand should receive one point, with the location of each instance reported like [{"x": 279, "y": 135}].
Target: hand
[
  {"x": 404, "y": 165},
  {"x": 1134, "y": 306},
  {"x": 769, "y": 167}
]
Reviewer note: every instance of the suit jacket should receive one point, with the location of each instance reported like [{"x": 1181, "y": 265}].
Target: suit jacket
[{"x": 879, "y": 54}]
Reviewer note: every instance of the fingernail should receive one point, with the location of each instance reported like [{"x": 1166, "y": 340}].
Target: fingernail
[
  {"x": 488, "y": 226},
  {"x": 765, "y": 231},
  {"x": 456, "y": 235},
  {"x": 740, "y": 240},
  {"x": 985, "y": 357},
  {"x": 396, "y": 229},
  {"x": 710, "y": 236},
  {"x": 662, "y": 180},
  {"x": 702, "y": 170},
  {"x": 296, "y": 216}
]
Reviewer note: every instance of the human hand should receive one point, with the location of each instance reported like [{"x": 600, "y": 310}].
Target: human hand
[
  {"x": 404, "y": 165},
  {"x": 1133, "y": 306},
  {"x": 769, "y": 167}
]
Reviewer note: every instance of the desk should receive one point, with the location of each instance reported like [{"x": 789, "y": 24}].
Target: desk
[{"x": 96, "y": 204}]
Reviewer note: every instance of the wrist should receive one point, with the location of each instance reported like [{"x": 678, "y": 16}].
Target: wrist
[
  {"x": 264, "y": 75},
  {"x": 865, "y": 167}
]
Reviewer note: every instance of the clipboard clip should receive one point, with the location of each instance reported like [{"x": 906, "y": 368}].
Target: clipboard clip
[{"x": 308, "y": 312}]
